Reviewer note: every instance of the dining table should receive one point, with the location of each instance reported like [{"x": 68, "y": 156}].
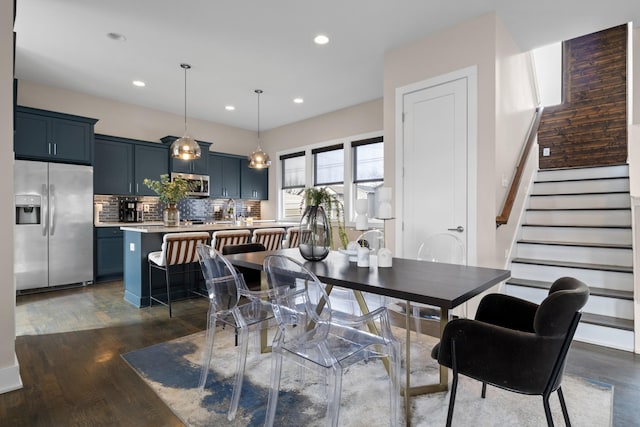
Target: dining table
[{"x": 442, "y": 285}]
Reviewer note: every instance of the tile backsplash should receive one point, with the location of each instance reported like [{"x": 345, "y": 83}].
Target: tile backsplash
[{"x": 190, "y": 209}]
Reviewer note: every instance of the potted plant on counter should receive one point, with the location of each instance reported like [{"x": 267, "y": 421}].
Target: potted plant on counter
[
  {"x": 170, "y": 192},
  {"x": 316, "y": 231}
]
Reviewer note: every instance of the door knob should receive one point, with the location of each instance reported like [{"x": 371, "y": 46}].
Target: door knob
[{"x": 459, "y": 229}]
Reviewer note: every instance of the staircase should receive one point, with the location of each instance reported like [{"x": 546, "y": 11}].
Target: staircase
[{"x": 578, "y": 223}]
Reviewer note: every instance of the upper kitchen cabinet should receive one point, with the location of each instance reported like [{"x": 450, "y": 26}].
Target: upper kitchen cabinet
[
  {"x": 224, "y": 175},
  {"x": 254, "y": 182},
  {"x": 113, "y": 166},
  {"x": 55, "y": 137},
  {"x": 199, "y": 166},
  {"x": 151, "y": 161},
  {"x": 122, "y": 164}
]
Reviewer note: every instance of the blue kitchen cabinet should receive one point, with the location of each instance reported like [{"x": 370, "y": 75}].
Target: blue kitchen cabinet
[
  {"x": 254, "y": 183},
  {"x": 113, "y": 166},
  {"x": 198, "y": 166},
  {"x": 224, "y": 175},
  {"x": 151, "y": 161},
  {"x": 122, "y": 164},
  {"x": 54, "y": 137},
  {"x": 109, "y": 252}
]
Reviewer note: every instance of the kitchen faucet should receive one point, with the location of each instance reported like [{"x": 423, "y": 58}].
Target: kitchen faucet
[{"x": 231, "y": 209}]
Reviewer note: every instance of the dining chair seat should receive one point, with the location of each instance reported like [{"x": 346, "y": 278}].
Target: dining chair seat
[
  {"x": 225, "y": 288},
  {"x": 309, "y": 335}
]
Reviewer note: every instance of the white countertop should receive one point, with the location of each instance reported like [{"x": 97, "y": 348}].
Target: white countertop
[
  {"x": 158, "y": 227},
  {"x": 261, "y": 222},
  {"x": 125, "y": 224}
]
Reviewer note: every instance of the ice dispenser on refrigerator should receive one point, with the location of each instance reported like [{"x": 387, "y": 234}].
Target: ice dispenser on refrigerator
[{"x": 28, "y": 209}]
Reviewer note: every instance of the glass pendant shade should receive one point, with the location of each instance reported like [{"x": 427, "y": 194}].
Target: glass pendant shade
[
  {"x": 185, "y": 148},
  {"x": 259, "y": 159}
]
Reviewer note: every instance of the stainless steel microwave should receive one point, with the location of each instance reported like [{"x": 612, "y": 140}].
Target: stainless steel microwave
[{"x": 199, "y": 183}]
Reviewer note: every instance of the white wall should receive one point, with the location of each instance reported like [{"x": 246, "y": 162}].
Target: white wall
[
  {"x": 9, "y": 369},
  {"x": 505, "y": 105},
  {"x": 462, "y": 46},
  {"x": 132, "y": 121},
  {"x": 516, "y": 99},
  {"x": 355, "y": 120}
]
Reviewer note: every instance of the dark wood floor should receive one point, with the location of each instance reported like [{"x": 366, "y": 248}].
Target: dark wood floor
[{"x": 69, "y": 345}]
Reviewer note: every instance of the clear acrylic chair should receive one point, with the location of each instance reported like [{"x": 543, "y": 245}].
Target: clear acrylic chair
[
  {"x": 225, "y": 287},
  {"x": 440, "y": 247},
  {"x": 314, "y": 339},
  {"x": 374, "y": 240}
]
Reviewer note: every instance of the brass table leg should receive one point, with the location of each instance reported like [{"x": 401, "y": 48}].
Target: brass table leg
[{"x": 442, "y": 385}]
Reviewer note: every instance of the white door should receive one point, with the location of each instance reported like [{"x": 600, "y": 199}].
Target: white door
[{"x": 434, "y": 186}]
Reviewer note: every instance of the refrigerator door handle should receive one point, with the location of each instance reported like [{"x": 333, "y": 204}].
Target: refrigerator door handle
[
  {"x": 45, "y": 213},
  {"x": 52, "y": 210}
]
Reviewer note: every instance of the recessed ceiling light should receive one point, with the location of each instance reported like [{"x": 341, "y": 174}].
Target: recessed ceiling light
[
  {"x": 298, "y": 100},
  {"x": 139, "y": 83},
  {"x": 321, "y": 39},
  {"x": 117, "y": 37},
  {"x": 229, "y": 107}
]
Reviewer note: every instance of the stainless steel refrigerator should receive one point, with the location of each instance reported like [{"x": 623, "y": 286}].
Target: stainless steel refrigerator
[{"x": 53, "y": 231}]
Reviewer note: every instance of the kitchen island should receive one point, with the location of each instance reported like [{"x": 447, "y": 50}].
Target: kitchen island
[{"x": 141, "y": 239}]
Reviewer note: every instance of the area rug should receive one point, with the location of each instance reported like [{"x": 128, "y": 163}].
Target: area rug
[{"x": 172, "y": 370}]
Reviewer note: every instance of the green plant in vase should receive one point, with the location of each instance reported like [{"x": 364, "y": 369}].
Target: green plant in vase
[
  {"x": 316, "y": 226},
  {"x": 170, "y": 192}
]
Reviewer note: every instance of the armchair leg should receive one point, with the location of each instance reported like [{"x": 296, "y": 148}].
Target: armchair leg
[
  {"x": 454, "y": 383},
  {"x": 547, "y": 410},
  {"x": 484, "y": 390},
  {"x": 563, "y": 405}
]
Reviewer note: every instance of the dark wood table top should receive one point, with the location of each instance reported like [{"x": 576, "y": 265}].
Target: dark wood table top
[{"x": 439, "y": 284}]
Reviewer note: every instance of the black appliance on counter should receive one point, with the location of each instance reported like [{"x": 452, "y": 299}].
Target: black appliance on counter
[{"x": 131, "y": 211}]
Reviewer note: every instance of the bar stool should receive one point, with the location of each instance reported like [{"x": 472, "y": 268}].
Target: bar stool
[
  {"x": 222, "y": 238},
  {"x": 178, "y": 249},
  {"x": 271, "y": 238},
  {"x": 292, "y": 239}
]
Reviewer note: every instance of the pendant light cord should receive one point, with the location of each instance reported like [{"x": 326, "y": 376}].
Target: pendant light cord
[
  {"x": 258, "y": 91},
  {"x": 185, "y": 67}
]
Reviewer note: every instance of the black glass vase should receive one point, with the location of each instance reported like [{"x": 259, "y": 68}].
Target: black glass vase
[{"x": 315, "y": 234}]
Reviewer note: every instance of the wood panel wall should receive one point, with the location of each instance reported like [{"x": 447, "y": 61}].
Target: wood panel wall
[{"x": 590, "y": 127}]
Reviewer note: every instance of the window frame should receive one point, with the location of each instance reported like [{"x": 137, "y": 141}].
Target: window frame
[{"x": 310, "y": 178}]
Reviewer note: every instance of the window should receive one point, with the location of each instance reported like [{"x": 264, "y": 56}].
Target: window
[
  {"x": 328, "y": 165},
  {"x": 328, "y": 170},
  {"x": 368, "y": 167},
  {"x": 293, "y": 183},
  {"x": 349, "y": 168}
]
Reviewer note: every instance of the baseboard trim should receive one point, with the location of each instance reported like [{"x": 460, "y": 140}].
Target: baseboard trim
[{"x": 10, "y": 378}]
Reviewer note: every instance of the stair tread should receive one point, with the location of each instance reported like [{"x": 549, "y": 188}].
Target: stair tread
[
  {"x": 578, "y": 209},
  {"x": 585, "y": 193},
  {"x": 603, "y": 267},
  {"x": 594, "y": 291},
  {"x": 576, "y": 244},
  {"x": 608, "y": 321},
  {"x": 603, "y": 178},
  {"x": 617, "y": 227}
]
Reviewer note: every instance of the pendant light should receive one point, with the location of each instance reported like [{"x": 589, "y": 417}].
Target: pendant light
[
  {"x": 259, "y": 159},
  {"x": 185, "y": 148}
]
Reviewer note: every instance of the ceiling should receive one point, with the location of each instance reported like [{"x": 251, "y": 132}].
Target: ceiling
[{"x": 236, "y": 46}]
